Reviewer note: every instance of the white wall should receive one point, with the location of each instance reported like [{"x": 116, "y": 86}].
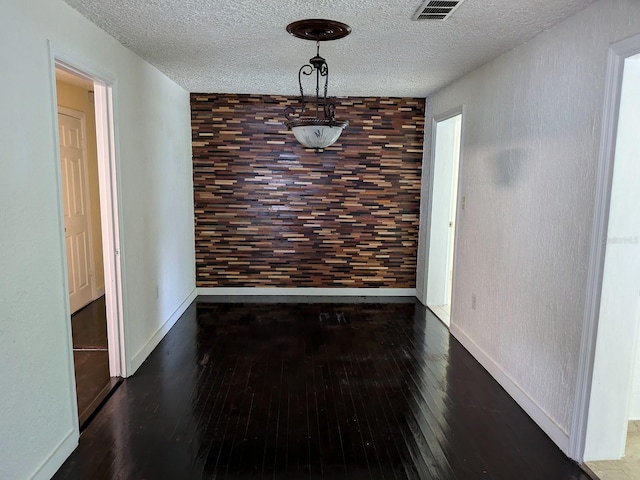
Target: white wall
[
  {"x": 530, "y": 148},
  {"x": 631, "y": 109},
  {"x": 611, "y": 398},
  {"x": 634, "y": 407},
  {"x": 38, "y": 417}
]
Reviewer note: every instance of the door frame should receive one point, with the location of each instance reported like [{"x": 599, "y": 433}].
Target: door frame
[
  {"x": 617, "y": 54},
  {"x": 106, "y": 138},
  {"x": 459, "y": 110},
  {"x": 85, "y": 179}
]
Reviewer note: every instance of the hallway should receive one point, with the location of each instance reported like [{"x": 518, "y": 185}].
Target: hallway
[
  {"x": 313, "y": 390},
  {"x": 91, "y": 358}
]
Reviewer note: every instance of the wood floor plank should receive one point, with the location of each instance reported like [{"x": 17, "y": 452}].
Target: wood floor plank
[
  {"x": 342, "y": 390},
  {"x": 276, "y": 457}
]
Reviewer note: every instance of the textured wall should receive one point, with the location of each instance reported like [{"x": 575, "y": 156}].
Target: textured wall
[
  {"x": 270, "y": 213},
  {"x": 530, "y": 143}
]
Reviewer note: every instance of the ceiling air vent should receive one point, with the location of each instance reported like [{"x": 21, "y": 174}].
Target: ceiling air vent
[{"x": 436, "y": 9}]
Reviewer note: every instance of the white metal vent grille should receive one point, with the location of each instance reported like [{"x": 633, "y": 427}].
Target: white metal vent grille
[{"x": 436, "y": 9}]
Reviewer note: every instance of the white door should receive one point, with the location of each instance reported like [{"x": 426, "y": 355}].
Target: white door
[
  {"x": 445, "y": 158},
  {"x": 76, "y": 209}
]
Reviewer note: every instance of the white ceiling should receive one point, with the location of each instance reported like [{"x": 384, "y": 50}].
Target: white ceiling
[{"x": 241, "y": 46}]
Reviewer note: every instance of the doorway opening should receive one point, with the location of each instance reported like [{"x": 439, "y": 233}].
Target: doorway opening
[
  {"x": 447, "y": 131},
  {"x": 608, "y": 390},
  {"x": 89, "y": 203},
  {"x": 619, "y": 314}
]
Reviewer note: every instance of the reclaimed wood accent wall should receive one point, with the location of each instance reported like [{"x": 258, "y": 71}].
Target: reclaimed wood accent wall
[{"x": 270, "y": 213}]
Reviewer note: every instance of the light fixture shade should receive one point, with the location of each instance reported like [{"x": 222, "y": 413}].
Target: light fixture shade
[
  {"x": 314, "y": 133},
  {"x": 316, "y": 136}
]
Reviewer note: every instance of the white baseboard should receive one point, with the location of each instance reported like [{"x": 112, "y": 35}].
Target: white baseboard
[
  {"x": 306, "y": 291},
  {"x": 153, "y": 342},
  {"x": 55, "y": 460},
  {"x": 542, "y": 418}
]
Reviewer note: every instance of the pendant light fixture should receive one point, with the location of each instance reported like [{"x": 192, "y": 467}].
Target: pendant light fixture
[{"x": 321, "y": 130}]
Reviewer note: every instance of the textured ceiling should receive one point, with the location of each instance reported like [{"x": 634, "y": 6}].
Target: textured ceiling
[{"x": 240, "y": 46}]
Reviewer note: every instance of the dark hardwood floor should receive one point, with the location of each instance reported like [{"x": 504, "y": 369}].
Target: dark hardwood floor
[
  {"x": 91, "y": 359},
  {"x": 89, "y": 325},
  {"x": 315, "y": 390}
]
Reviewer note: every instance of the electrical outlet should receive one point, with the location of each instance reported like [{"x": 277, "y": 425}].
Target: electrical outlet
[
  {"x": 473, "y": 301},
  {"x": 464, "y": 202}
]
